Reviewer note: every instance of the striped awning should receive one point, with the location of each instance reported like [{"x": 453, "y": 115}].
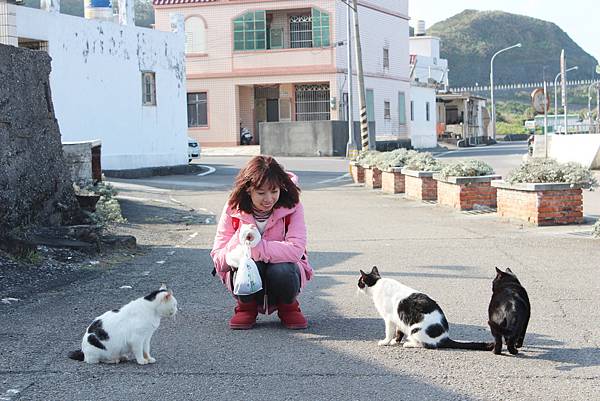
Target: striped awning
[{"x": 175, "y": 2}]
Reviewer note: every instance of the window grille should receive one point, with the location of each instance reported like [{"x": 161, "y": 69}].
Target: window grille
[
  {"x": 301, "y": 31},
  {"x": 197, "y": 108},
  {"x": 148, "y": 88},
  {"x": 312, "y": 102},
  {"x": 386, "y": 111}
]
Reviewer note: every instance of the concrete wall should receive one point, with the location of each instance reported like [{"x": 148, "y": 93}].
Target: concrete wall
[
  {"x": 580, "y": 148},
  {"x": 97, "y": 87},
  {"x": 35, "y": 187},
  {"x": 305, "y": 138}
]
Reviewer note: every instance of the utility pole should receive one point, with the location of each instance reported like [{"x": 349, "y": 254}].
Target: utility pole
[
  {"x": 364, "y": 125},
  {"x": 351, "y": 147}
]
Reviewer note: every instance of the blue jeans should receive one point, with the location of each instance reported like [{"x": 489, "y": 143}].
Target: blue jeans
[{"x": 281, "y": 282}]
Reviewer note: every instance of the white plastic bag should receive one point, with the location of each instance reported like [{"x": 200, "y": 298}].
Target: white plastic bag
[{"x": 247, "y": 279}]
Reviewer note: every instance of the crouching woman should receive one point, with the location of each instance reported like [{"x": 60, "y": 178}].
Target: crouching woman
[{"x": 265, "y": 199}]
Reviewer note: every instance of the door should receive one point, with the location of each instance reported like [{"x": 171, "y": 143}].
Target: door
[{"x": 272, "y": 110}]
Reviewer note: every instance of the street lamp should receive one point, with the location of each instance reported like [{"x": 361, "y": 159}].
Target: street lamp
[
  {"x": 492, "y": 87},
  {"x": 556, "y": 97}
]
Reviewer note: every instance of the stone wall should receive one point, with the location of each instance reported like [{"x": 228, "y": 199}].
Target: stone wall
[
  {"x": 34, "y": 183},
  {"x": 541, "y": 208},
  {"x": 466, "y": 196}
]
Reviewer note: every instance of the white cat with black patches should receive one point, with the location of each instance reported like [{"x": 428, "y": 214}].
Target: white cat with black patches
[
  {"x": 411, "y": 314},
  {"x": 120, "y": 333}
]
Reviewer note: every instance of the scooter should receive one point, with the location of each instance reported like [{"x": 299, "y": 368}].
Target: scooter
[{"x": 246, "y": 136}]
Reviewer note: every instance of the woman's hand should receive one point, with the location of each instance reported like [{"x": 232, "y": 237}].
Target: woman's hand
[{"x": 250, "y": 235}]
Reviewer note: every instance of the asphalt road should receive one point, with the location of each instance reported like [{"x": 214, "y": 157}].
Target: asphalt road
[{"x": 449, "y": 255}]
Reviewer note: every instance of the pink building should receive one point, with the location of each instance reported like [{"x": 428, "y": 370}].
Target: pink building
[{"x": 255, "y": 61}]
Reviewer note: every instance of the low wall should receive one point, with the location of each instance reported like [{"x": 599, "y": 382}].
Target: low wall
[
  {"x": 580, "y": 148},
  {"x": 306, "y": 138}
]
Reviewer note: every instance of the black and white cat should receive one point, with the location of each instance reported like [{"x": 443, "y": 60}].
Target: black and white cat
[
  {"x": 509, "y": 311},
  {"x": 408, "y": 312},
  {"x": 120, "y": 333}
]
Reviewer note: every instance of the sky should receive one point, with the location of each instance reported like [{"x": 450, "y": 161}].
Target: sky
[{"x": 578, "y": 18}]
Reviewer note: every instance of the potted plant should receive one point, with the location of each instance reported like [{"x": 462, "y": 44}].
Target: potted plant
[
  {"x": 418, "y": 171},
  {"x": 357, "y": 169},
  {"x": 466, "y": 184},
  {"x": 544, "y": 192},
  {"x": 390, "y": 164}
]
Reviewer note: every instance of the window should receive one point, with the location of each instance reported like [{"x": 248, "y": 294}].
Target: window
[
  {"x": 250, "y": 31},
  {"x": 386, "y": 58},
  {"x": 412, "y": 110},
  {"x": 370, "y": 105},
  {"x": 401, "y": 108},
  {"x": 275, "y": 38},
  {"x": 195, "y": 35},
  {"x": 312, "y": 102},
  {"x": 148, "y": 88},
  {"x": 301, "y": 31},
  {"x": 426, "y": 111},
  {"x": 386, "y": 111},
  {"x": 320, "y": 28},
  {"x": 197, "y": 106}
]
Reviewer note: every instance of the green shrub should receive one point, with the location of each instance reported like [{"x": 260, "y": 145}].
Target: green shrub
[
  {"x": 108, "y": 209},
  {"x": 367, "y": 157},
  {"x": 423, "y": 161},
  {"x": 395, "y": 158},
  {"x": 538, "y": 170},
  {"x": 466, "y": 168}
]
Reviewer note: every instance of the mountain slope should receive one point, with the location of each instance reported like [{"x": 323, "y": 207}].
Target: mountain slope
[{"x": 469, "y": 39}]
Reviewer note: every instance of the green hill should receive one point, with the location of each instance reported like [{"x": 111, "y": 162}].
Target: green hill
[{"x": 469, "y": 39}]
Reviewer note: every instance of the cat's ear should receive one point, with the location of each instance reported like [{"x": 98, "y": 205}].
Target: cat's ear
[
  {"x": 499, "y": 271},
  {"x": 375, "y": 271},
  {"x": 509, "y": 271},
  {"x": 163, "y": 286},
  {"x": 362, "y": 273}
]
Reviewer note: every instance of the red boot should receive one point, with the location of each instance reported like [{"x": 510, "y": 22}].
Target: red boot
[
  {"x": 291, "y": 316},
  {"x": 244, "y": 316}
]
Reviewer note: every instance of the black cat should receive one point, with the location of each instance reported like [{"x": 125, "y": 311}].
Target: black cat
[{"x": 509, "y": 311}]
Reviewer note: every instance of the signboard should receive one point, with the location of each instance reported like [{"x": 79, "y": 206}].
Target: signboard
[{"x": 538, "y": 102}]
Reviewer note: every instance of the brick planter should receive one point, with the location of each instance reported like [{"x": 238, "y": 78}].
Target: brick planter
[
  {"x": 392, "y": 180},
  {"x": 358, "y": 173},
  {"x": 419, "y": 185},
  {"x": 463, "y": 193},
  {"x": 540, "y": 204},
  {"x": 372, "y": 177}
]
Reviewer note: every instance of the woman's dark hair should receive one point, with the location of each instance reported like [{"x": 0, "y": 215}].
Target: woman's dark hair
[{"x": 258, "y": 171}]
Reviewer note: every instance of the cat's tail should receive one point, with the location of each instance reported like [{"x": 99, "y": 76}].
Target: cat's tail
[
  {"x": 477, "y": 346},
  {"x": 77, "y": 355}
]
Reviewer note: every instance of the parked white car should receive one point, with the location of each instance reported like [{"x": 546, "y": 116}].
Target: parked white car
[{"x": 194, "y": 149}]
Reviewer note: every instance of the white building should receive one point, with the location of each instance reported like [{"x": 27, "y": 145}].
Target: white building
[
  {"x": 119, "y": 83},
  {"x": 428, "y": 73}
]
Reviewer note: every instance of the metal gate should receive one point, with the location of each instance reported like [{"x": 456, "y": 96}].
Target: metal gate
[
  {"x": 300, "y": 31},
  {"x": 312, "y": 102}
]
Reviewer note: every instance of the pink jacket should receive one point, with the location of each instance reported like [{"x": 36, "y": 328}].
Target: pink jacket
[{"x": 276, "y": 246}]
